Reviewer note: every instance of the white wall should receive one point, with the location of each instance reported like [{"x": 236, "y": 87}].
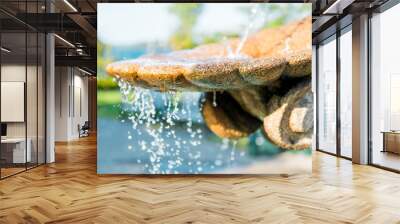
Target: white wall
[
  {"x": 71, "y": 94},
  {"x": 62, "y": 82},
  {"x": 12, "y": 73},
  {"x": 13, "y": 101},
  {"x": 80, "y": 115},
  {"x": 33, "y": 126}
]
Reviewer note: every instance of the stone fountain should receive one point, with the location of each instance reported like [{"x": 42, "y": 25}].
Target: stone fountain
[{"x": 266, "y": 84}]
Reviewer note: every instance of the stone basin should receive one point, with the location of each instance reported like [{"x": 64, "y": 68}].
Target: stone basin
[{"x": 266, "y": 84}]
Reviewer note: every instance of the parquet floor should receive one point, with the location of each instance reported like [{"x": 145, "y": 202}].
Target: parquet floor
[{"x": 70, "y": 191}]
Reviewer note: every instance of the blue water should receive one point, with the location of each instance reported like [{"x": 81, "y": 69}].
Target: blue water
[
  {"x": 115, "y": 156},
  {"x": 132, "y": 52}
]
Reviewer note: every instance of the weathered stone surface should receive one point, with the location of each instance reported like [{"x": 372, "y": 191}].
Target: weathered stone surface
[
  {"x": 262, "y": 71},
  {"x": 252, "y": 100},
  {"x": 226, "y": 118},
  {"x": 301, "y": 117},
  {"x": 299, "y": 64},
  {"x": 289, "y": 120}
]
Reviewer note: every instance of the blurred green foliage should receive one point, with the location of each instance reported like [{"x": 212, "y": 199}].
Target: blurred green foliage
[
  {"x": 109, "y": 97},
  {"x": 217, "y": 37},
  {"x": 108, "y": 103},
  {"x": 187, "y": 14},
  {"x": 109, "y": 111},
  {"x": 106, "y": 83},
  {"x": 102, "y": 59},
  {"x": 286, "y": 13},
  {"x": 278, "y": 14}
]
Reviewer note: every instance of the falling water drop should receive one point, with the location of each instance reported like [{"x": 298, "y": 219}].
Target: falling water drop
[
  {"x": 233, "y": 151},
  {"x": 214, "y": 99},
  {"x": 250, "y": 26}
]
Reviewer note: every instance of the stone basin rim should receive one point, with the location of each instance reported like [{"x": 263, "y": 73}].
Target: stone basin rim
[{"x": 180, "y": 74}]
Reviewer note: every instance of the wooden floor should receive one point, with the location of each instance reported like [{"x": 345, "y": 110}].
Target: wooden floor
[
  {"x": 5, "y": 172},
  {"x": 70, "y": 191}
]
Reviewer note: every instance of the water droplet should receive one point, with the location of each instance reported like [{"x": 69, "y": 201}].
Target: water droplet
[
  {"x": 214, "y": 99},
  {"x": 259, "y": 140}
]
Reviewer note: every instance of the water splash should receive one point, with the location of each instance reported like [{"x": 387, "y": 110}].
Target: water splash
[
  {"x": 214, "y": 99},
  {"x": 287, "y": 48},
  {"x": 255, "y": 13},
  {"x": 228, "y": 47},
  {"x": 154, "y": 131}
]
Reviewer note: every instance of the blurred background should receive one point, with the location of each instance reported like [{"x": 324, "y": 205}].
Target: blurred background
[{"x": 128, "y": 31}]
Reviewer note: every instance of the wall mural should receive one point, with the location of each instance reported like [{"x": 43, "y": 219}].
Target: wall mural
[{"x": 204, "y": 88}]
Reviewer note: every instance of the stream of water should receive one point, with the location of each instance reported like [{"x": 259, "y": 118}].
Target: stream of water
[{"x": 156, "y": 131}]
